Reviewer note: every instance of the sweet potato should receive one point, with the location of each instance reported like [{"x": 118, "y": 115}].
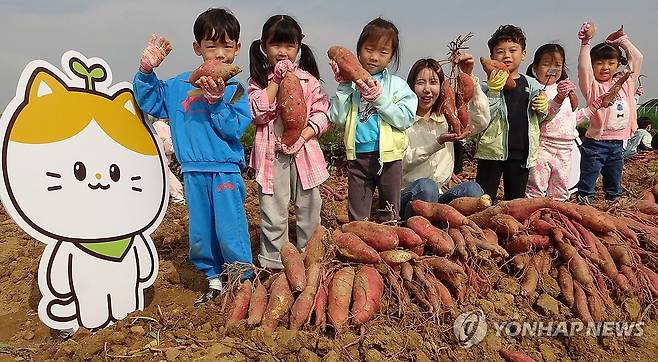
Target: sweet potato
[
  {"x": 647, "y": 207},
  {"x": 448, "y": 107},
  {"x": 417, "y": 292},
  {"x": 647, "y": 195},
  {"x": 462, "y": 115},
  {"x": 279, "y": 304},
  {"x": 427, "y": 232},
  {"x": 292, "y": 108},
  {"x": 566, "y": 208},
  {"x": 514, "y": 356},
  {"x": 441, "y": 264},
  {"x": 505, "y": 225},
  {"x": 380, "y": 237},
  {"x": 419, "y": 250},
  {"x": 303, "y": 306},
  {"x": 596, "y": 307},
  {"x": 353, "y": 248},
  {"x": 530, "y": 280},
  {"x": 350, "y": 68},
  {"x": 396, "y": 257},
  {"x": 654, "y": 190},
  {"x": 650, "y": 277},
  {"x": 444, "y": 294},
  {"x": 519, "y": 244},
  {"x": 439, "y": 213},
  {"x": 565, "y": 281},
  {"x": 366, "y": 294},
  {"x": 408, "y": 238},
  {"x": 456, "y": 282},
  {"x": 489, "y": 65},
  {"x": 490, "y": 236},
  {"x": 466, "y": 87},
  {"x": 216, "y": 69},
  {"x": 314, "y": 251},
  {"x": 430, "y": 290},
  {"x": 580, "y": 303},
  {"x": 340, "y": 296},
  {"x": 617, "y": 250},
  {"x": 521, "y": 261},
  {"x": 482, "y": 218},
  {"x": 443, "y": 244},
  {"x": 573, "y": 99},
  {"x": 470, "y": 205},
  {"x": 574, "y": 262},
  {"x": 610, "y": 96},
  {"x": 320, "y": 305},
  {"x": 240, "y": 304},
  {"x": 406, "y": 271},
  {"x": 630, "y": 275},
  {"x": 257, "y": 305},
  {"x": 541, "y": 227},
  {"x": 521, "y": 209},
  {"x": 460, "y": 243},
  {"x": 293, "y": 266}
]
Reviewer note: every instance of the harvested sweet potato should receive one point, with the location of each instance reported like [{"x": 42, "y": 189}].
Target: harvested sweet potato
[
  {"x": 408, "y": 238},
  {"x": 216, "y": 69},
  {"x": 491, "y": 236},
  {"x": 407, "y": 271},
  {"x": 462, "y": 115},
  {"x": 505, "y": 225},
  {"x": 292, "y": 108},
  {"x": 460, "y": 243},
  {"x": 380, "y": 237},
  {"x": 430, "y": 234},
  {"x": 353, "y": 248},
  {"x": 366, "y": 294},
  {"x": 530, "y": 280},
  {"x": 489, "y": 65},
  {"x": 470, "y": 205},
  {"x": 440, "y": 213},
  {"x": 240, "y": 304},
  {"x": 279, "y": 304},
  {"x": 514, "y": 356},
  {"x": 257, "y": 305},
  {"x": 573, "y": 99},
  {"x": 448, "y": 107},
  {"x": 565, "y": 281},
  {"x": 340, "y": 296},
  {"x": 647, "y": 207},
  {"x": 441, "y": 265},
  {"x": 293, "y": 265},
  {"x": 654, "y": 190},
  {"x": 397, "y": 257},
  {"x": 466, "y": 87},
  {"x": 576, "y": 264},
  {"x": 348, "y": 64},
  {"x": 314, "y": 251},
  {"x": 483, "y": 217},
  {"x": 581, "y": 305},
  {"x": 521, "y": 209},
  {"x": 610, "y": 96},
  {"x": 301, "y": 309},
  {"x": 320, "y": 305}
]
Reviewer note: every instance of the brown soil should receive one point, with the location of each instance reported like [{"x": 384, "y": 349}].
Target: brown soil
[{"x": 171, "y": 328}]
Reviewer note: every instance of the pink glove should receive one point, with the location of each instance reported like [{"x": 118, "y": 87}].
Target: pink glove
[
  {"x": 213, "y": 91},
  {"x": 584, "y": 34},
  {"x": 598, "y": 103},
  {"x": 565, "y": 87},
  {"x": 640, "y": 91},
  {"x": 337, "y": 76},
  {"x": 282, "y": 68},
  {"x": 370, "y": 90},
  {"x": 156, "y": 50},
  {"x": 292, "y": 149}
]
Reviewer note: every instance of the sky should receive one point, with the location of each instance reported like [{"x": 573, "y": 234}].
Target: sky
[{"x": 117, "y": 30}]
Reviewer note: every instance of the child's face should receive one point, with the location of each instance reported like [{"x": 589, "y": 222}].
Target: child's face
[
  {"x": 225, "y": 50},
  {"x": 546, "y": 62},
  {"x": 509, "y": 53},
  {"x": 427, "y": 87},
  {"x": 374, "y": 56},
  {"x": 277, "y": 51},
  {"x": 604, "y": 69}
]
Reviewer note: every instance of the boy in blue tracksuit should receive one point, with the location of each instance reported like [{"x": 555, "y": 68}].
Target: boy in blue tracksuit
[{"x": 206, "y": 127}]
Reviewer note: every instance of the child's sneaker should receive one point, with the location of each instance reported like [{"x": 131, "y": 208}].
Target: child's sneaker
[{"x": 214, "y": 289}]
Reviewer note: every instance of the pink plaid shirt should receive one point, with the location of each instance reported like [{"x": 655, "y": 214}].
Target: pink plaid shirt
[{"x": 311, "y": 166}]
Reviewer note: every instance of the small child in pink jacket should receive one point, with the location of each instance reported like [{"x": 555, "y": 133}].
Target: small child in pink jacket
[
  {"x": 175, "y": 187},
  {"x": 285, "y": 173},
  {"x": 602, "y": 150}
]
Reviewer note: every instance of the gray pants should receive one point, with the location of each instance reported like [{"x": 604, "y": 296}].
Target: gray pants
[
  {"x": 274, "y": 212},
  {"x": 362, "y": 179}
]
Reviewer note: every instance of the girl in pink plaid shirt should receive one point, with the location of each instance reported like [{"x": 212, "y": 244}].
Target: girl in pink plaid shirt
[{"x": 284, "y": 173}]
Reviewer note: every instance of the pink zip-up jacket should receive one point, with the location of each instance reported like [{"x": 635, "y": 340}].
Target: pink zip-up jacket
[
  {"x": 592, "y": 89},
  {"x": 311, "y": 166}
]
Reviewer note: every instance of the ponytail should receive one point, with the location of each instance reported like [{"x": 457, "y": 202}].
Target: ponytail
[
  {"x": 258, "y": 64},
  {"x": 307, "y": 61}
]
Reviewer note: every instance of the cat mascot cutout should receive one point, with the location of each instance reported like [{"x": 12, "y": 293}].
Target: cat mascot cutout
[{"x": 83, "y": 173}]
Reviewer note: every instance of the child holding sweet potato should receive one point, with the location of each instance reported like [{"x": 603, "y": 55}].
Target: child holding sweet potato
[
  {"x": 508, "y": 147},
  {"x": 285, "y": 172},
  {"x": 375, "y": 112}
]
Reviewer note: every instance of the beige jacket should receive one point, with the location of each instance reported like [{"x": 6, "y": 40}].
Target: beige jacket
[{"x": 424, "y": 156}]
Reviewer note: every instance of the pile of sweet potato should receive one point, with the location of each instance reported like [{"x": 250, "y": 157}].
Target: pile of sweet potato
[{"x": 430, "y": 264}]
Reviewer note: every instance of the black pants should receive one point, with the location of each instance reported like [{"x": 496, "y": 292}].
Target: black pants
[
  {"x": 460, "y": 152},
  {"x": 515, "y": 177},
  {"x": 362, "y": 178}
]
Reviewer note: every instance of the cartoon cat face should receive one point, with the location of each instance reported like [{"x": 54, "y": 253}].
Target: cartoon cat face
[{"x": 80, "y": 165}]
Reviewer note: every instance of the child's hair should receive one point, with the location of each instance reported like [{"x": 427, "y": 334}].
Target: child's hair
[
  {"x": 603, "y": 51},
  {"x": 550, "y": 48},
  {"x": 214, "y": 24},
  {"x": 377, "y": 29},
  {"x": 507, "y": 33},
  {"x": 279, "y": 28},
  {"x": 418, "y": 67},
  {"x": 643, "y": 122}
]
